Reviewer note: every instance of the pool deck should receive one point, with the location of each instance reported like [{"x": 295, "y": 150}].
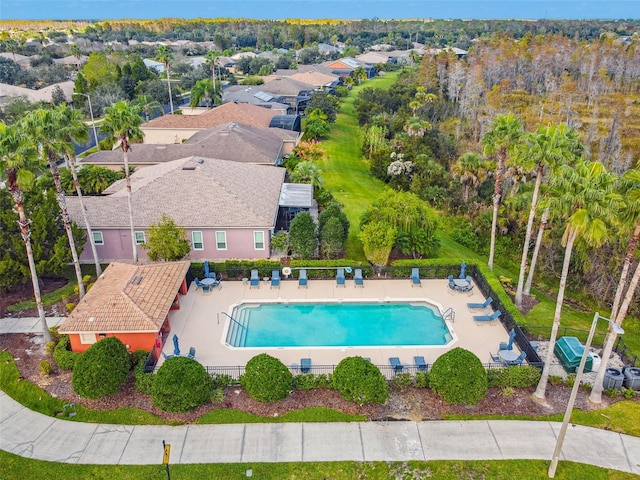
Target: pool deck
[{"x": 200, "y": 324}]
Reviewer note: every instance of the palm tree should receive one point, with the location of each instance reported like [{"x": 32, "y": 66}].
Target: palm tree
[
  {"x": 46, "y": 128},
  {"x": 359, "y": 75},
  {"x": 74, "y": 129},
  {"x": 204, "y": 90},
  {"x": 148, "y": 105},
  {"x": 470, "y": 170},
  {"x": 212, "y": 58},
  {"x": 165, "y": 55},
  {"x": 548, "y": 147},
  {"x": 122, "y": 121},
  {"x": 18, "y": 160},
  {"x": 500, "y": 141},
  {"x": 629, "y": 217},
  {"x": 307, "y": 172},
  {"x": 583, "y": 194}
]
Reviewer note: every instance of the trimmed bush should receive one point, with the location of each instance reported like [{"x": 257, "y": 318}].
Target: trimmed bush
[
  {"x": 181, "y": 384},
  {"x": 459, "y": 377},
  {"x": 360, "y": 381},
  {"x": 143, "y": 380},
  {"x": 45, "y": 367},
  {"x": 267, "y": 379},
  {"x": 516, "y": 377},
  {"x": 63, "y": 355},
  {"x": 102, "y": 369}
]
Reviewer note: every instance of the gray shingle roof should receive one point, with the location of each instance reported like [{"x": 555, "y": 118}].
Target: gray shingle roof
[{"x": 195, "y": 192}]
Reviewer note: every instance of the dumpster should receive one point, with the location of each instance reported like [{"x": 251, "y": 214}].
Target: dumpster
[
  {"x": 613, "y": 378},
  {"x": 632, "y": 378},
  {"x": 569, "y": 351}
]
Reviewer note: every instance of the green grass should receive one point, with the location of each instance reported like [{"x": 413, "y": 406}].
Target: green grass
[
  {"x": 344, "y": 171},
  {"x": 311, "y": 414},
  {"x": 13, "y": 467}
]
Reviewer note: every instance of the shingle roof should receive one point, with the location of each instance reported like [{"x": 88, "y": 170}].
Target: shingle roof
[
  {"x": 286, "y": 86},
  {"x": 43, "y": 94},
  {"x": 118, "y": 302},
  {"x": 195, "y": 192},
  {"x": 230, "y": 141},
  {"x": 229, "y": 112}
]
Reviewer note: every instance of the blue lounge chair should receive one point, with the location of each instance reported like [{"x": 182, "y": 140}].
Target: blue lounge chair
[
  {"x": 340, "y": 277},
  {"x": 480, "y": 306},
  {"x": 254, "y": 281},
  {"x": 305, "y": 365},
  {"x": 415, "y": 277},
  {"x": 487, "y": 318},
  {"x": 275, "y": 279},
  {"x": 421, "y": 365},
  {"x": 396, "y": 364},
  {"x": 192, "y": 352},
  {"x": 302, "y": 278},
  {"x": 208, "y": 273},
  {"x": 357, "y": 278}
]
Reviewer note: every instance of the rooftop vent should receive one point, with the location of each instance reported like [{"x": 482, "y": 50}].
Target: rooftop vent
[{"x": 136, "y": 280}]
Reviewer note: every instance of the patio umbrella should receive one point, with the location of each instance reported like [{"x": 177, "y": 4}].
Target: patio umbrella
[
  {"x": 463, "y": 270},
  {"x": 176, "y": 347},
  {"x": 512, "y": 335}
]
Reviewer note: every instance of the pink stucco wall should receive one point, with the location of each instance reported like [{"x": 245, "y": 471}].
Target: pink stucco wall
[{"x": 117, "y": 246}]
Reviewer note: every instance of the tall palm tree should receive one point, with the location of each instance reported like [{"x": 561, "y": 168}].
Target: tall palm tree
[
  {"x": 630, "y": 222},
  {"x": 148, "y": 105},
  {"x": 46, "y": 128},
  {"x": 471, "y": 171},
  {"x": 583, "y": 195},
  {"x": 165, "y": 55},
  {"x": 72, "y": 128},
  {"x": 212, "y": 58},
  {"x": 204, "y": 90},
  {"x": 122, "y": 121},
  {"x": 500, "y": 140},
  {"x": 18, "y": 160},
  {"x": 548, "y": 147}
]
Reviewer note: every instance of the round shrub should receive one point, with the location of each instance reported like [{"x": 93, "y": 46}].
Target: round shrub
[
  {"x": 360, "y": 381},
  {"x": 102, "y": 369},
  {"x": 459, "y": 377},
  {"x": 267, "y": 379},
  {"x": 180, "y": 385},
  {"x": 63, "y": 355}
]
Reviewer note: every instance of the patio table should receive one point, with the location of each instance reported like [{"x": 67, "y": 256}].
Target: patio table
[
  {"x": 460, "y": 282},
  {"x": 208, "y": 281},
  {"x": 508, "y": 355}
]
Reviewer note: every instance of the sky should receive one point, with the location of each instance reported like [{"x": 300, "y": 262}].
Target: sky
[{"x": 318, "y": 9}]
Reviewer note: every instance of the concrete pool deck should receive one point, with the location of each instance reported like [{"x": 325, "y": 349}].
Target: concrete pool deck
[{"x": 200, "y": 322}]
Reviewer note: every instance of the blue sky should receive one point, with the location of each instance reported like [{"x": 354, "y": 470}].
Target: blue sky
[{"x": 315, "y": 9}]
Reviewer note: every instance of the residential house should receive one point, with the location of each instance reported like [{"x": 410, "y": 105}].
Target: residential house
[
  {"x": 228, "y": 209},
  {"x": 71, "y": 62},
  {"x": 179, "y": 128},
  {"x": 253, "y": 96},
  {"x": 344, "y": 67},
  {"x": 129, "y": 302},
  {"x": 291, "y": 92},
  {"x": 43, "y": 94}
]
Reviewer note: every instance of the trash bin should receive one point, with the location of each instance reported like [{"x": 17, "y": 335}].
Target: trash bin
[
  {"x": 613, "y": 378},
  {"x": 632, "y": 378}
]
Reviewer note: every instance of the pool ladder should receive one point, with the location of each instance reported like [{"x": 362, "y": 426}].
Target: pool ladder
[{"x": 449, "y": 314}]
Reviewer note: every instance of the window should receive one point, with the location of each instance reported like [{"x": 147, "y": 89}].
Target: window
[
  {"x": 97, "y": 238},
  {"x": 139, "y": 238},
  {"x": 258, "y": 240},
  {"x": 197, "y": 242},
  {"x": 87, "y": 338},
  {"x": 221, "y": 240}
]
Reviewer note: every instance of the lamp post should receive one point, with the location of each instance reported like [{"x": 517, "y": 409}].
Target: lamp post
[
  {"x": 574, "y": 392},
  {"x": 93, "y": 123}
]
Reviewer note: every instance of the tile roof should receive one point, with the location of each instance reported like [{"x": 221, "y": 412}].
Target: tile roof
[
  {"x": 230, "y": 141},
  {"x": 118, "y": 302},
  {"x": 196, "y": 192},
  {"x": 229, "y": 112}
]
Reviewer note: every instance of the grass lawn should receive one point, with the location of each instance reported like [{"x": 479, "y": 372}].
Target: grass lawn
[{"x": 13, "y": 467}]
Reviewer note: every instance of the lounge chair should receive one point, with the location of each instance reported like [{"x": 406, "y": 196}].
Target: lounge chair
[
  {"x": 305, "y": 365},
  {"x": 340, "y": 277},
  {"x": 254, "y": 281},
  {"x": 208, "y": 273},
  {"x": 480, "y": 306},
  {"x": 275, "y": 279},
  {"x": 415, "y": 277},
  {"x": 302, "y": 278},
  {"x": 421, "y": 365},
  {"x": 396, "y": 364},
  {"x": 518, "y": 361},
  {"x": 192, "y": 352},
  {"x": 357, "y": 278},
  {"x": 487, "y": 318}
]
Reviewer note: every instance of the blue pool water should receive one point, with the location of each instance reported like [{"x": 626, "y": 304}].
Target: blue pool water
[{"x": 337, "y": 324}]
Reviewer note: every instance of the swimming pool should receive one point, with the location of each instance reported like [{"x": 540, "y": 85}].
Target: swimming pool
[{"x": 336, "y": 324}]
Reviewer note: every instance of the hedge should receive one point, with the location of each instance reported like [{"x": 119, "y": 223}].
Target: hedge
[
  {"x": 63, "y": 355},
  {"x": 267, "y": 379},
  {"x": 181, "y": 384},
  {"x": 360, "y": 381},
  {"x": 516, "y": 376},
  {"x": 458, "y": 376}
]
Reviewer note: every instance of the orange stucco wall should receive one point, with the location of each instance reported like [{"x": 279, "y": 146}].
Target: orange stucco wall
[{"x": 135, "y": 341}]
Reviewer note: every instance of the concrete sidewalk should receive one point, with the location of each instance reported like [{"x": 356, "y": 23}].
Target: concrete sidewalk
[
  {"x": 27, "y": 324},
  {"x": 32, "y": 435}
]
